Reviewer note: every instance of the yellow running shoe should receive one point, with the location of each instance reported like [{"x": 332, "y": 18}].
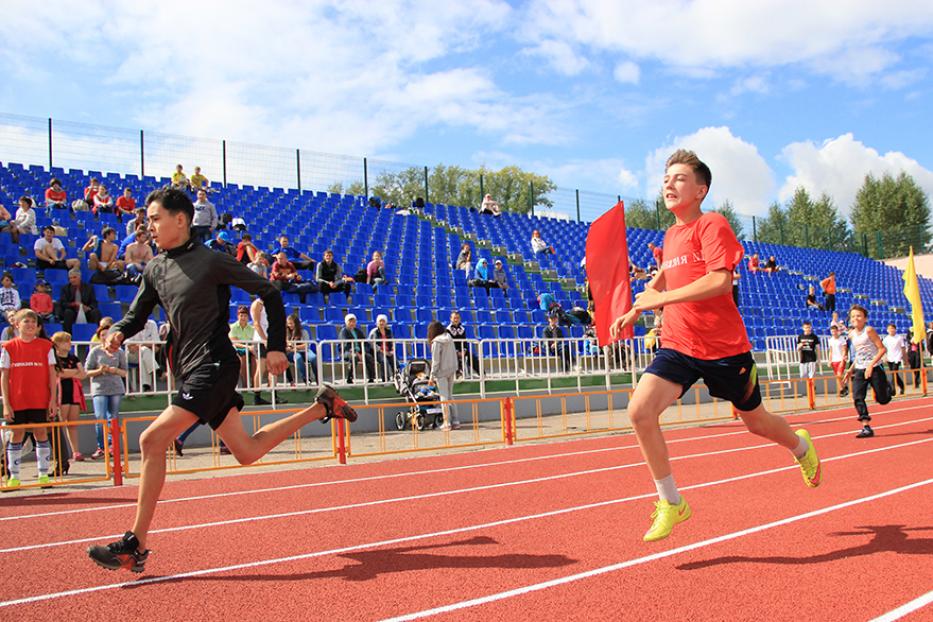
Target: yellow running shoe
[
  {"x": 12, "y": 482},
  {"x": 810, "y": 463},
  {"x": 665, "y": 517}
]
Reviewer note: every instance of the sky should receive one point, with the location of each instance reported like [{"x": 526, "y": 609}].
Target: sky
[{"x": 771, "y": 94}]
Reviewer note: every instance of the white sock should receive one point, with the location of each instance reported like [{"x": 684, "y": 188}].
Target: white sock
[
  {"x": 667, "y": 490},
  {"x": 44, "y": 455},
  {"x": 802, "y": 448},
  {"x": 14, "y": 455}
]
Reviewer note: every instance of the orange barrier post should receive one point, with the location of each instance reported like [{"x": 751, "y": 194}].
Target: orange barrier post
[
  {"x": 341, "y": 441},
  {"x": 923, "y": 376},
  {"x": 508, "y": 421},
  {"x": 117, "y": 454},
  {"x": 811, "y": 394}
]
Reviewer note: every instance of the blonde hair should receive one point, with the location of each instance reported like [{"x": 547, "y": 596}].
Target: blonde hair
[
  {"x": 24, "y": 313},
  {"x": 61, "y": 337}
]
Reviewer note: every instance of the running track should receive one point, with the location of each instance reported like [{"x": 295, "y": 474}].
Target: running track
[{"x": 545, "y": 532}]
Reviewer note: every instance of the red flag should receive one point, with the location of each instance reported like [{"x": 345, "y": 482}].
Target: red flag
[{"x": 607, "y": 271}]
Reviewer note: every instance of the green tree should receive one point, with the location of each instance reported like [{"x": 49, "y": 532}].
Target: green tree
[
  {"x": 728, "y": 211},
  {"x": 640, "y": 216},
  {"x": 893, "y": 213},
  {"x": 666, "y": 216},
  {"x": 771, "y": 230}
]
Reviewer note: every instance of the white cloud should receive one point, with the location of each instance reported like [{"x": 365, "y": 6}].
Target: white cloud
[
  {"x": 627, "y": 73},
  {"x": 838, "y": 167},
  {"x": 749, "y": 84},
  {"x": 848, "y": 42},
  {"x": 561, "y": 56},
  {"x": 740, "y": 174}
]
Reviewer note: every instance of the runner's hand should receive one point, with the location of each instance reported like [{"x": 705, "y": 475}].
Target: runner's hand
[
  {"x": 7, "y": 414},
  {"x": 113, "y": 341},
  {"x": 868, "y": 372},
  {"x": 648, "y": 299},
  {"x": 615, "y": 329},
  {"x": 276, "y": 362}
]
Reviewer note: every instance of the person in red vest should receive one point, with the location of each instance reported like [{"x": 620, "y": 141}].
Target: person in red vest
[{"x": 30, "y": 393}]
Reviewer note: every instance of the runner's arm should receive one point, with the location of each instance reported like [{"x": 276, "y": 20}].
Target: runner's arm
[
  {"x": 140, "y": 309},
  {"x": 715, "y": 283},
  {"x": 232, "y": 272}
]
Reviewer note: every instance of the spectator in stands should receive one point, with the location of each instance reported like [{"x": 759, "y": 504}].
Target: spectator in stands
[
  {"x": 103, "y": 202},
  {"x": 465, "y": 260},
  {"x": 538, "y": 245},
  {"x": 444, "y": 371},
  {"x": 896, "y": 352},
  {"x": 129, "y": 239},
  {"x": 139, "y": 220},
  {"x": 246, "y": 251},
  {"x": 107, "y": 369},
  {"x": 464, "y": 353},
  {"x": 490, "y": 206},
  {"x": 71, "y": 393},
  {"x": 205, "y": 217},
  {"x": 811, "y": 299},
  {"x": 138, "y": 254},
  {"x": 656, "y": 253},
  {"x": 481, "y": 276},
  {"x": 77, "y": 302},
  {"x": 126, "y": 204},
  {"x": 301, "y": 261},
  {"x": 418, "y": 204},
  {"x": 40, "y": 301},
  {"x": 330, "y": 277},
  {"x": 299, "y": 351},
  {"x": 237, "y": 223},
  {"x": 829, "y": 292},
  {"x": 808, "y": 345},
  {"x": 355, "y": 348},
  {"x": 261, "y": 265},
  {"x": 30, "y": 394},
  {"x": 102, "y": 327},
  {"x": 140, "y": 351},
  {"x": 383, "y": 348},
  {"x": 179, "y": 179},
  {"x": 286, "y": 277},
  {"x": 754, "y": 263},
  {"x": 499, "y": 276},
  {"x": 9, "y": 295},
  {"x": 771, "y": 265},
  {"x": 25, "y": 221},
  {"x": 198, "y": 180},
  {"x": 7, "y": 225},
  {"x": 243, "y": 336},
  {"x": 9, "y": 332},
  {"x": 838, "y": 357},
  {"x": 91, "y": 191},
  {"x": 55, "y": 197},
  {"x": 375, "y": 270},
  {"x": 223, "y": 243},
  {"x": 50, "y": 252},
  {"x": 556, "y": 347},
  {"x": 104, "y": 253}
]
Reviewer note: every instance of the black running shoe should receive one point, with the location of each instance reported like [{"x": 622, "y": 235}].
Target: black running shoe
[
  {"x": 335, "y": 405},
  {"x": 865, "y": 432},
  {"x": 179, "y": 447},
  {"x": 123, "y": 553}
]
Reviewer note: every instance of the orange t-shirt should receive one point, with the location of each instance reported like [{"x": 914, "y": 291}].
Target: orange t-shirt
[
  {"x": 706, "y": 329},
  {"x": 127, "y": 204},
  {"x": 829, "y": 285},
  {"x": 28, "y": 362}
]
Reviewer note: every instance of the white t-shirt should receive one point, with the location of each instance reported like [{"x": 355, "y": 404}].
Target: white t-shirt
[
  {"x": 5, "y": 358},
  {"x": 148, "y": 335},
  {"x": 836, "y": 344},
  {"x": 895, "y": 346},
  {"x": 42, "y": 244}
]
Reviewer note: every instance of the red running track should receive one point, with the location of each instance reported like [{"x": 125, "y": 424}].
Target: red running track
[{"x": 551, "y": 532}]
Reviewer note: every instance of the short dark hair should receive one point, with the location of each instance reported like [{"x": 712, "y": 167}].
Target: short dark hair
[
  {"x": 246, "y": 237},
  {"x": 107, "y": 231},
  {"x": 55, "y": 180},
  {"x": 242, "y": 309},
  {"x": 700, "y": 169},
  {"x": 892, "y": 324},
  {"x": 130, "y": 190},
  {"x": 859, "y": 308},
  {"x": 172, "y": 200},
  {"x": 328, "y": 251},
  {"x": 27, "y": 199},
  {"x": 435, "y": 329},
  {"x": 807, "y": 323},
  {"x": 48, "y": 228}
]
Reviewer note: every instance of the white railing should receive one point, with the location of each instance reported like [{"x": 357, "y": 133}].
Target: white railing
[{"x": 783, "y": 358}]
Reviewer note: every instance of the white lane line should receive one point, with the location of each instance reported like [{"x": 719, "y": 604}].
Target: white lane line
[
  {"x": 426, "y": 536},
  {"x": 536, "y": 587},
  {"x": 429, "y": 495},
  {"x": 914, "y": 605},
  {"x": 420, "y": 472}
]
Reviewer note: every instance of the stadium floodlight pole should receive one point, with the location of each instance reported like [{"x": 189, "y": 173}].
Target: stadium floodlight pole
[
  {"x": 224, "y": 149},
  {"x": 754, "y": 229},
  {"x": 427, "y": 199},
  {"x": 482, "y": 191},
  {"x": 50, "y": 144},
  {"x": 531, "y": 196},
  {"x": 365, "y": 179}
]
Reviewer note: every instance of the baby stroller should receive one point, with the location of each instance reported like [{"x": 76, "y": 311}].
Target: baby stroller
[{"x": 424, "y": 410}]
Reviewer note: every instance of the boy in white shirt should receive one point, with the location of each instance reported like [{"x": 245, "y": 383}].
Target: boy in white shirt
[
  {"x": 838, "y": 357},
  {"x": 897, "y": 352}
]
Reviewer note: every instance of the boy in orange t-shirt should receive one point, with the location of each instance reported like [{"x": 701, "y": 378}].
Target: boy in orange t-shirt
[
  {"x": 30, "y": 393},
  {"x": 704, "y": 337},
  {"x": 41, "y": 301}
]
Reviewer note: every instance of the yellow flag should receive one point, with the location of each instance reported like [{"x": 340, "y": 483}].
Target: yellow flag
[{"x": 912, "y": 292}]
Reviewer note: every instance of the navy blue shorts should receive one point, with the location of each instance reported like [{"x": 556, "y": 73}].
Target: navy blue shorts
[{"x": 734, "y": 378}]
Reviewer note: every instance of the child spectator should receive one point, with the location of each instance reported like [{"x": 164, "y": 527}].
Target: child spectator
[
  {"x": 55, "y": 197},
  {"x": 896, "y": 352},
  {"x": 242, "y": 336},
  {"x": 50, "y": 252},
  {"x": 198, "y": 180},
  {"x": 538, "y": 245},
  {"x": 103, "y": 202},
  {"x": 179, "y": 179},
  {"x": 299, "y": 351},
  {"x": 656, "y": 254},
  {"x": 223, "y": 243},
  {"x": 25, "y": 221},
  {"x": 808, "y": 345},
  {"x": 753, "y": 263},
  {"x": 375, "y": 270},
  {"x": 330, "y": 277},
  {"x": 246, "y": 251},
  {"x": 465, "y": 260},
  {"x": 839, "y": 324},
  {"x": 444, "y": 371},
  {"x": 126, "y": 204},
  {"x": 838, "y": 357},
  {"x": 9, "y": 295},
  {"x": 498, "y": 275},
  {"x": 41, "y": 301},
  {"x": 556, "y": 346},
  {"x": 811, "y": 299},
  {"x": 70, "y": 374},
  {"x": 107, "y": 369},
  {"x": 30, "y": 393}
]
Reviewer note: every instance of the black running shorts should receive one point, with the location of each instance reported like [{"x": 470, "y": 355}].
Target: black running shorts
[
  {"x": 35, "y": 415},
  {"x": 734, "y": 378},
  {"x": 210, "y": 392}
]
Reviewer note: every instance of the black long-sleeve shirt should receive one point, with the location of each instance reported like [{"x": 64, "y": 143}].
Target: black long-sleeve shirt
[{"x": 192, "y": 283}]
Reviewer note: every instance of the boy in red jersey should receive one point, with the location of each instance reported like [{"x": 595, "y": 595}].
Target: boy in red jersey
[
  {"x": 704, "y": 337},
  {"x": 30, "y": 385}
]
